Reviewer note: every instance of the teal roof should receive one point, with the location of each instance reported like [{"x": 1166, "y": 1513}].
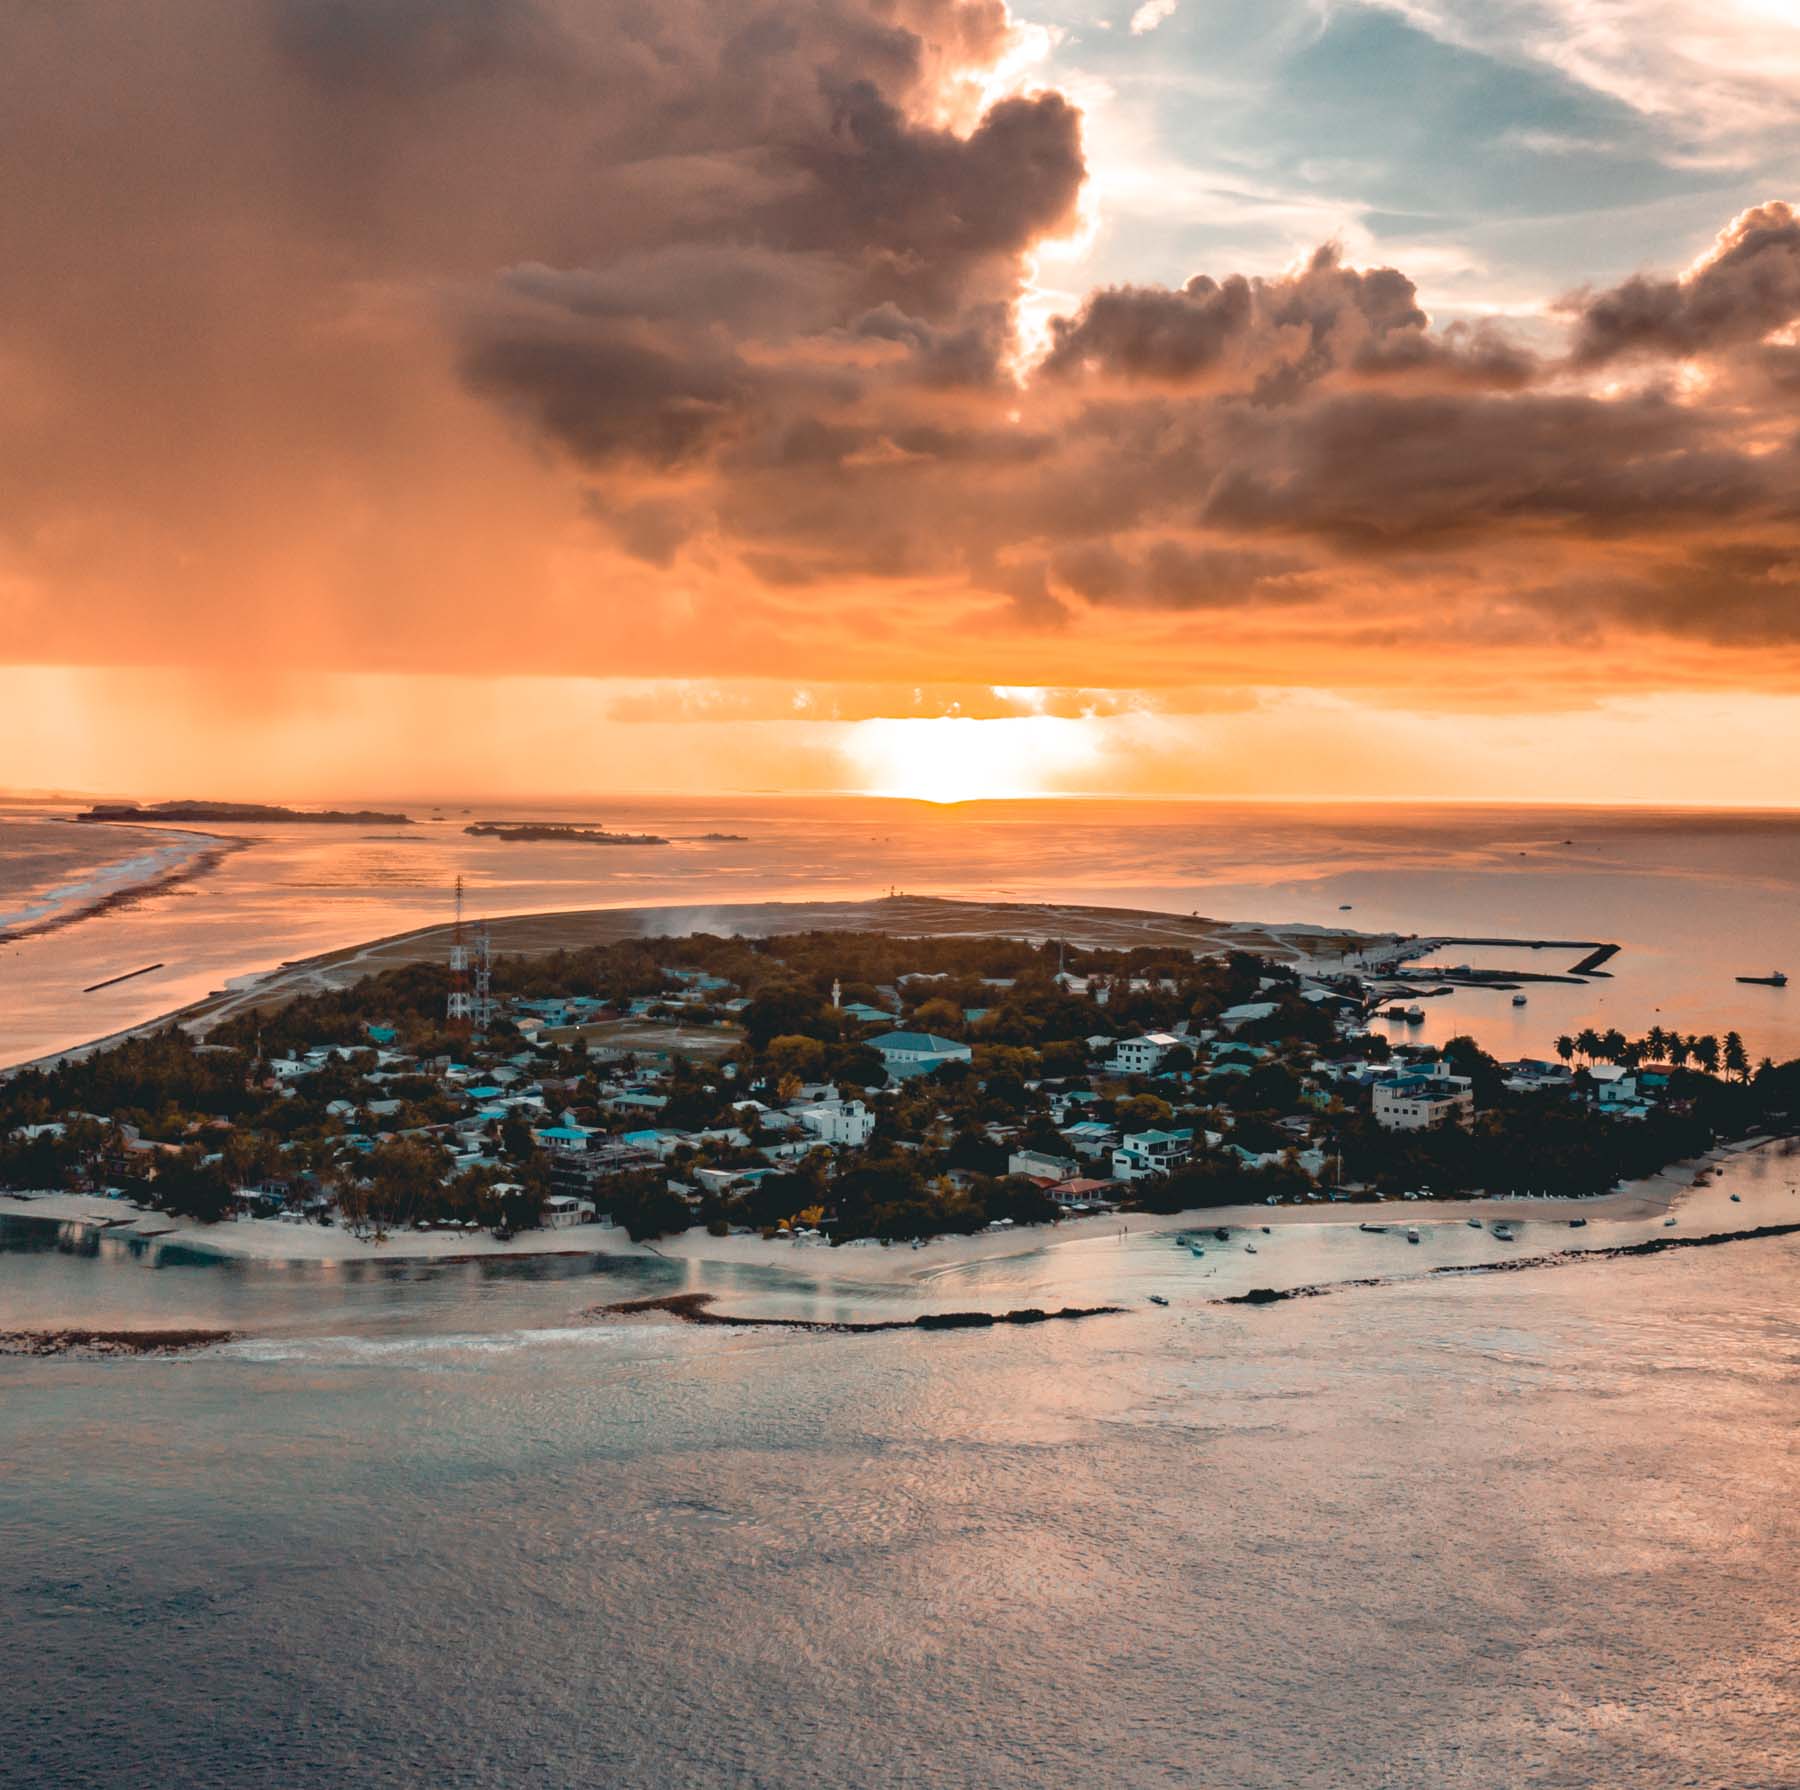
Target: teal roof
[{"x": 925, "y": 1043}]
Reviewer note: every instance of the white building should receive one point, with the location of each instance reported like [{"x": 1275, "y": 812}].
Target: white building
[
  {"x": 838, "y": 1121},
  {"x": 1141, "y": 1055},
  {"x": 1147, "y": 1153},
  {"x": 563, "y": 1209},
  {"x": 1418, "y": 1102},
  {"x": 1039, "y": 1165}
]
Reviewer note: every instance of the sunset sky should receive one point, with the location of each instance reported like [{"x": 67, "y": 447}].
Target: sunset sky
[{"x": 1287, "y": 397}]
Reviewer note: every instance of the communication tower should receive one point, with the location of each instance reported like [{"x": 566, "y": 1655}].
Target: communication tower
[
  {"x": 482, "y": 1006},
  {"x": 460, "y": 1010}
]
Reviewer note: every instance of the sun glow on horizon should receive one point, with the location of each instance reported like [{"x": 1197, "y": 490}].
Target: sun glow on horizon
[{"x": 956, "y": 758}]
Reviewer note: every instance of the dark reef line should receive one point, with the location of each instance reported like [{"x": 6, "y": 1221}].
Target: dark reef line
[
  {"x": 1558, "y": 1259},
  {"x": 696, "y": 1308}
]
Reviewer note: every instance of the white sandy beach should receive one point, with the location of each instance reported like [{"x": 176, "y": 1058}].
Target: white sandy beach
[{"x": 269, "y": 1240}]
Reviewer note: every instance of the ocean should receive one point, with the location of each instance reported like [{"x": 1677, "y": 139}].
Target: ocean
[
  {"x": 1696, "y": 898},
  {"x": 429, "y": 1526}
]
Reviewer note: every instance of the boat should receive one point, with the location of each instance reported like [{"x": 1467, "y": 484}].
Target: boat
[
  {"x": 1518, "y": 1000},
  {"x": 1734, "y": 1199},
  {"x": 1195, "y": 1249},
  {"x": 1503, "y": 1232},
  {"x": 1415, "y": 1015},
  {"x": 1575, "y": 1224},
  {"x": 1474, "y": 1224},
  {"x": 1371, "y": 1227},
  {"x": 1344, "y": 907},
  {"x": 1667, "y": 1222},
  {"x": 1412, "y": 1236},
  {"x": 1249, "y": 1249},
  {"x": 1158, "y": 1299},
  {"x": 1222, "y": 1234},
  {"x": 1265, "y": 1230},
  {"x": 1774, "y": 979}
]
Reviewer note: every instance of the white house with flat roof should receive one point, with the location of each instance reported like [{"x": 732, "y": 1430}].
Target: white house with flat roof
[
  {"x": 838, "y": 1121},
  {"x": 1147, "y": 1153},
  {"x": 1141, "y": 1055}
]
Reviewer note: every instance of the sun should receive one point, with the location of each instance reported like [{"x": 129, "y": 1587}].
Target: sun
[{"x": 959, "y": 759}]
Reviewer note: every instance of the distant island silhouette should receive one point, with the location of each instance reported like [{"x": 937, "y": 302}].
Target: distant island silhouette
[
  {"x": 239, "y": 811},
  {"x": 521, "y": 832}
]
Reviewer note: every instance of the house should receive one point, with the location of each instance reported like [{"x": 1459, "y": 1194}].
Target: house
[
  {"x": 1142, "y": 1055},
  {"x": 838, "y": 1121},
  {"x": 1147, "y": 1153},
  {"x": 917, "y": 1053},
  {"x": 865, "y": 1015},
  {"x": 1418, "y": 1102},
  {"x": 1039, "y": 1165},
  {"x": 1234, "y": 1018},
  {"x": 561, "y": 1210},
  {"x": 1083, "y": 1192},
  {"x": 1090, "y": 1138},
  {"x": 562, "y": 1137}
]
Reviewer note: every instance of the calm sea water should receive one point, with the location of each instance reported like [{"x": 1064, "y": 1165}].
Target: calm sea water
[
  {"x": 1696, "y": 899},
  {"x": 427, "y": 1527}
]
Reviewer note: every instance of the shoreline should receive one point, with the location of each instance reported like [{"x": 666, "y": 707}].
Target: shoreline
[
  {"x": 898, "y": 1266},
  {"x": 202, "y": 861}
]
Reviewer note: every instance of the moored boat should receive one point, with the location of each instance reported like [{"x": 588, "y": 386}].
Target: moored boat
[{"x": 1774, "y": 979}]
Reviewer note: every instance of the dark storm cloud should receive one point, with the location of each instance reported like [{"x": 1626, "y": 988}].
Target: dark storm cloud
[
  {"x": 328, "y": 320},
  {"x": 1748, "y": 287},
  {"x": 1275, "y": 337}
]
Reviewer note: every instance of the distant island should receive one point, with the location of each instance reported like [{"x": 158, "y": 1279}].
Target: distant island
[
  {"x": 722, "y": 838},
  {"x": 240, "y": 811},
  {"x": 521, "y": 832}
]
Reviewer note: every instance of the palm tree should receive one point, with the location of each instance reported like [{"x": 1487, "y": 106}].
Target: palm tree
[
  {"x": 1587, "y": 1041},
  {"x": 1656, "y": 1044},
  {"x": 1706, "y": 1052},
  {"x": 1612, "y": 1045},
  {"x": 1737, "y": 1061},
  {"x": 1565, "y": 1047},
  {"x": 1679, "y": 1050}
]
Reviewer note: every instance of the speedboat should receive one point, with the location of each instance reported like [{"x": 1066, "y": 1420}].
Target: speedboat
[
  {"x": 1503, "y": 1232},
  {"x": 1195, "y": 1249},
  {"x": 1474, "y": 1224},
  {"x": 1774, "y": 979},
  {"x": 1412, "y": 1236},
  {"x": 1158, "y": 1299},
  {"x": 1518, "y": 1000},
  {"x": 1415, "y": 1015},
  {"x": 1249, "y": 1249},
  {"x": 1575, "y": 1224},
  {"x": 1667, "y": 1222},
  {"x": 1222, "y": 1234},
  {"x": 1371, "y": 1227},
  {"x": 1735, "y": 1199}
]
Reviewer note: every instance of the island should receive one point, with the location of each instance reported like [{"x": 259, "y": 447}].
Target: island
[
  {"x": 847, "y": 1088},
  {"x": 554, "y": 833},
  {"x": 241, "y": 811}
]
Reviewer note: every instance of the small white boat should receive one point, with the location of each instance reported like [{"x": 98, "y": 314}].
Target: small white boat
[
  {"x": 1474, "y": 1224},
  {"x": 1518, "y": 1000},
  {"x": 1503, "y": 1232},
  {"x": 1667, "y": 1222},
  {"x": 1195, "y": 1249},
  {"x": 1158, "y": 1299}
]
